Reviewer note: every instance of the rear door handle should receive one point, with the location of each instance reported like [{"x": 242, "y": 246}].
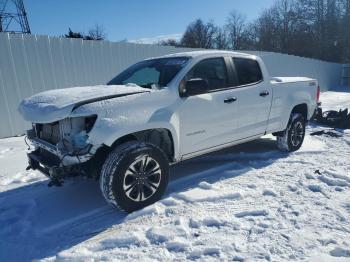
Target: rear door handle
[
  {"x": 230, "y": 100},
  {"x": 264, "y": 93}
]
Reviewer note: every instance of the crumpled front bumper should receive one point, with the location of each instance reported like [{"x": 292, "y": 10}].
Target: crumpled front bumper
[
  {"x": 48, "y": 168},
  {"x": 52, "y": 162},
  {"x": 67, "y": 159}
]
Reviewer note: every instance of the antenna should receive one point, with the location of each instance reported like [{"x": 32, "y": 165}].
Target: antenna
[{"x": 13, "y": 17}]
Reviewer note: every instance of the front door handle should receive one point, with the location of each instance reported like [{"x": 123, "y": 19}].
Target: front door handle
[
  {"x": 230, "y": 100},
  {"x": 264, "y": 93}
]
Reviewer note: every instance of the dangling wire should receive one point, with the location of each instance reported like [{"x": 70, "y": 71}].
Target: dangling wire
[{"x": 25, "y": 141}]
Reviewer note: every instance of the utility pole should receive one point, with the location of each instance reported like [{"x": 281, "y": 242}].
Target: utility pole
[{"x": 13, "y": 17}]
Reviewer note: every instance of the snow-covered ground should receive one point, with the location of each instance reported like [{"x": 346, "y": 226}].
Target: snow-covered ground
[{"x": 247, "y": 203}]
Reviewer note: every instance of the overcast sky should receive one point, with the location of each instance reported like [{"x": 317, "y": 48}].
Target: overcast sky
[{"x": 132, "y": 19}]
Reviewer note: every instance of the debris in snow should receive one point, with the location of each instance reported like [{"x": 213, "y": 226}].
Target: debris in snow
[
  {"x": 327, "y": 133},
  {"x": 333, "y": 118}
]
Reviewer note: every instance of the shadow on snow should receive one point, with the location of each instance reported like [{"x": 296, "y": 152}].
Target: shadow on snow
[{"x": 39, "y": 222}]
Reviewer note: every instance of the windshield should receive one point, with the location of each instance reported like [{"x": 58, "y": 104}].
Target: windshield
[{"x": 153, "y": 73}]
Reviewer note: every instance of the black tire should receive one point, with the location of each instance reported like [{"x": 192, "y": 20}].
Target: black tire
[
  {"x": 134, "y": 175},
  {"x": 292, "y": 138}
]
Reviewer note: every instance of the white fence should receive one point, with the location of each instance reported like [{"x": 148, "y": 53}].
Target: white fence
[{"x": 30, "y": 64}]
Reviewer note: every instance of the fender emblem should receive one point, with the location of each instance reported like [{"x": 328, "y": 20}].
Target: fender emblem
[{"x": 196, "y": 133}]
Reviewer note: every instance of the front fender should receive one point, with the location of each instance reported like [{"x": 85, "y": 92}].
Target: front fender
[
  {"x": 110, "y": 133},
  {"x": 123, "y": 116}
]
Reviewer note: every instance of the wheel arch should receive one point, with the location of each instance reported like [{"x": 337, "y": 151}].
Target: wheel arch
[
  {"x": 301, "y": 109},
  {"x": 297, "y": 108},
  {"x": 160, "y": 137}
]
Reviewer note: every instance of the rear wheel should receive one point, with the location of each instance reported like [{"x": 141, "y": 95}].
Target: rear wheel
[
  {"x": 134, "y": 175},
  {"x": 292, "y": 138}
]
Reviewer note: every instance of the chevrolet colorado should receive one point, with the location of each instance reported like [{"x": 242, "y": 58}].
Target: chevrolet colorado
[{"x": 161, "y": 111}]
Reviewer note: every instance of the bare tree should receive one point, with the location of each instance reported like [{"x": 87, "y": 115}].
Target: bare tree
[
  {"x": 169, "y": 42},
  {"x": 265, "y": 32},
  {"x": 220, "y": 39},
  {"x": 235, "y": 28},
  {"x": 199, "y": 35},
  {"x": 285, "y": 21},
  {"x": 72, "y": 34},
  {"x": 309, "y": 28},
  {"x": 96, "y": 33},
  {"x": 345, "y": 30}
]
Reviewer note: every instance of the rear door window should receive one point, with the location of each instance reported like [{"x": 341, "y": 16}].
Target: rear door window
[{"x": 248, "y": 71}]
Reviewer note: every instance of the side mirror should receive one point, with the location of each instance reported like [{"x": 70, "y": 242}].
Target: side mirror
[{"x": 195, "y": 86}]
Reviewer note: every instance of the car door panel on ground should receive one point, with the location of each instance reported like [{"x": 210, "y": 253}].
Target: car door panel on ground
[
  {"x": 208, "y": 119},
  {"x": 254, "y": 97}
]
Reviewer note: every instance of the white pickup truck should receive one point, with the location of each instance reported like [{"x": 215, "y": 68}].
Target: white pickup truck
[{"x": 162, "y": 111}]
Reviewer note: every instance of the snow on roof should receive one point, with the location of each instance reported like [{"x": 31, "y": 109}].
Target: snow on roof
[{"x": 205, "y": 53}]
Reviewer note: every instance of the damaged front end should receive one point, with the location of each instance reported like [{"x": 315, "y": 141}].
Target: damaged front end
[{"x": 62, "y": 148}]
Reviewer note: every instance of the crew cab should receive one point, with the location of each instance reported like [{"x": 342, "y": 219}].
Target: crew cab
[{"x": 159, "y": 112}]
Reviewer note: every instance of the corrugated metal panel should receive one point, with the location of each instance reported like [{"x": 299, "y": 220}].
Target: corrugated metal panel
[
  {"x": 10, "y": 82},
  {"x": 30, "y": 64}
]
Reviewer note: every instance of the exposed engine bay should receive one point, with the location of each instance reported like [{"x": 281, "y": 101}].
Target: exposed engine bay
[
  {"x": 61, "y": 147},
  {"x": 68, "y": 135}
]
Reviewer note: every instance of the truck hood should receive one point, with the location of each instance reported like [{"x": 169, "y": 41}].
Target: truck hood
[{"x": 54, "y": 105}]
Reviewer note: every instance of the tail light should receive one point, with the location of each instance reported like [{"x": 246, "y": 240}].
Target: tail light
[{"x": 318, "y": 94}]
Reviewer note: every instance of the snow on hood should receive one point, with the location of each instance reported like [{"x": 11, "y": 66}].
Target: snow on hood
[{"x": 54, "y": 105}]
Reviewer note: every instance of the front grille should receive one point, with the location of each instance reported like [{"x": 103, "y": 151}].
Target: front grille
[{"x": 49, "y": 132}]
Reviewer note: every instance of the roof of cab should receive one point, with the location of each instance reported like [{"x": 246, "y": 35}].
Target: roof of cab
[{"x": 206, "y": 53}]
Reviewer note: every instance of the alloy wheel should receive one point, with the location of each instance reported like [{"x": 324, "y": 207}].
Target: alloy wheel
[{"x": 142, "y": 178}]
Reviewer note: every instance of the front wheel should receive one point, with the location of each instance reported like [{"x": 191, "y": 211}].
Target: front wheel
[
  {"x": 292, "y": 138},
  {"x": 134, "y": 175}
]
